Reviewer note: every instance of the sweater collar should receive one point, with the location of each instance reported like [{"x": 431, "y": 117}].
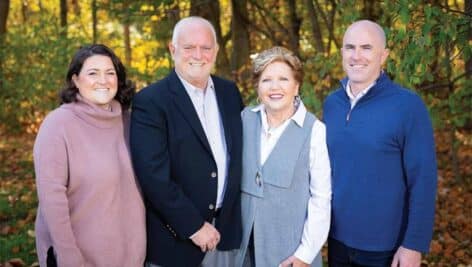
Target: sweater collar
[
  {"x": 95, "y": 115},
  {"x": 379, "y": 85}
]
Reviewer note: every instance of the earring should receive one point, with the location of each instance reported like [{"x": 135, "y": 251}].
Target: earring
[
  {"x": 296, "y": 101},
  {"x": 258, "y": 100}
]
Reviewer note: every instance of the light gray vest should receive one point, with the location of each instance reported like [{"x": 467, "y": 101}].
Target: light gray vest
[{"x": 275, "y": 196}]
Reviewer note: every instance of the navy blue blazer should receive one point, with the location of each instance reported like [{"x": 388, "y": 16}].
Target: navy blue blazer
[{"x": 176, "y": 169}]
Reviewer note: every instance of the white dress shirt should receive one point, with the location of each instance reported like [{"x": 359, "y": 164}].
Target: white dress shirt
[
  {"x": 355, "y": 99},
  {"x": 316, "y": 228},
  {"x": 204, "y": 102}
]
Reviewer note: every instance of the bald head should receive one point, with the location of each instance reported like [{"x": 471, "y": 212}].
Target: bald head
[
  {"x": 373, "y": 28},
  {"x": 363, "y": 54}
]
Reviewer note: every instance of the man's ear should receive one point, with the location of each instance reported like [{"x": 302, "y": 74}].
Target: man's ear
[
  {"x": 171, "y": 49},
  {"x": 385, "y": 55}
]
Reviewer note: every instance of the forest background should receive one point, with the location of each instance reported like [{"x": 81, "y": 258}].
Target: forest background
[{"x": 431, "y": 53}]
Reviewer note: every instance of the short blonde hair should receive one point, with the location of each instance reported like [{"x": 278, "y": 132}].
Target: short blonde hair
[{"x": 276, "y": 54}]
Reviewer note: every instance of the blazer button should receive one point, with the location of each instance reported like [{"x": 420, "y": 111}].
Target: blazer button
[
  {"x": 211, "y": 206},
  {"x": 213, "y": 174}
]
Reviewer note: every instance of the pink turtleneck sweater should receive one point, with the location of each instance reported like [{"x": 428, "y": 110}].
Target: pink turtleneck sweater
[{"x": 90, "y": 208}]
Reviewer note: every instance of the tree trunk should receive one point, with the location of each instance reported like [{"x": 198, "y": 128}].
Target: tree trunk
[
  {"x": 468, "y": 65},
  {"x": 241, "y": 42},
  {"x": 454, "y": 153},
  {"x": 371, "y": 10},
  {"x": 75, "y": 7},
  {"x": 63, "y": 15},
  {"x": 127, "y": 41},
  {"x": 455, "y": 163},
  {"x": 315, "y": 26},
  {"x": 94, "y": 21},
  {"x": 294, "y": 30},
  {"x": 126, "y": 33},
  {"x": 210, "y": 10},
  {"x": 4, "y": 9},
  {"x": 24, "y": 11},
  {"x": 330, "y": 24}
]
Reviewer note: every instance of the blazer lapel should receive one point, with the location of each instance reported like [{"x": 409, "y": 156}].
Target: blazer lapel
[
  {"x": 184, "y": 104},
  {"x": 220, "y": 99}
]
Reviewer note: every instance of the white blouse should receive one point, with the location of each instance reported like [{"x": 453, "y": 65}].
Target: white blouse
[{"x": 316, "y": 228}]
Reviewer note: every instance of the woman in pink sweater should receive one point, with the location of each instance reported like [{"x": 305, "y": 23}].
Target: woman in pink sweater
[{"x": 90, "y": 209}]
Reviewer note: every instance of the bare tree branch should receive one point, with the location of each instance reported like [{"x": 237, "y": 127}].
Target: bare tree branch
[
  {"x": 269, "y": 14},
  {"x": 268, "y": 33},
  {"x": 448, "y": 9},
  {"x": 445, "y": 83}
]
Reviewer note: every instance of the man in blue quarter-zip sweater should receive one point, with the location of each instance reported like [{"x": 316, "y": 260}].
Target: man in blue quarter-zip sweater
[{"x": 381, "y": 147}]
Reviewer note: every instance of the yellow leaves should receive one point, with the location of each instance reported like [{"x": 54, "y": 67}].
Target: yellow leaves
[
  {"x": 149, "y": 63},
  {"x": 147, "y": 8},
  {"x": 25, "y": 104},
  {"x": 31, "y": 233},
  {"x": 33, "y": 6}
]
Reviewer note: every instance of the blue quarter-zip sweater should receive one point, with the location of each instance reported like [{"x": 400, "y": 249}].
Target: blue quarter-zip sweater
[{"x": 384, "y": 173}]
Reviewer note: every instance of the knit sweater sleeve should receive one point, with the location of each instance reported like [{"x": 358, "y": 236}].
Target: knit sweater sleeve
[
  {"x": 420, "y": 168},
  {"x": 51, "y": 168}
]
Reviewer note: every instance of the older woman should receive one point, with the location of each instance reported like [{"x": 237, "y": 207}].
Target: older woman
[
  {"x": 286, "y": 188},
  {"x": 90, "y": 208}
]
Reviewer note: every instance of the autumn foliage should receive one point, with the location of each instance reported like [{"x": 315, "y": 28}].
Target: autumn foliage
[
  {"x": 451, "y": 245},
  {"x": 430, "y": 46}
]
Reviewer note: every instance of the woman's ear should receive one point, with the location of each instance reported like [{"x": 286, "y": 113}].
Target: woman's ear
[{"x": 74, "y": 79}]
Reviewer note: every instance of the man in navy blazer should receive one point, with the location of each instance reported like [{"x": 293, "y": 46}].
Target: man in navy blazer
[{"x": 185, "y": 141}]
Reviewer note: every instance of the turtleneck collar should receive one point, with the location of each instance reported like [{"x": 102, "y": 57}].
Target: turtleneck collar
[{"x": 95, "y": 115}]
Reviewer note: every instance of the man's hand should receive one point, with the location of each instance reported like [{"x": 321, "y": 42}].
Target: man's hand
[
  {"x": 406, "y": 258},
  {"x": 294, "y": 262},
  {"x": 206, "y": 238}
]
